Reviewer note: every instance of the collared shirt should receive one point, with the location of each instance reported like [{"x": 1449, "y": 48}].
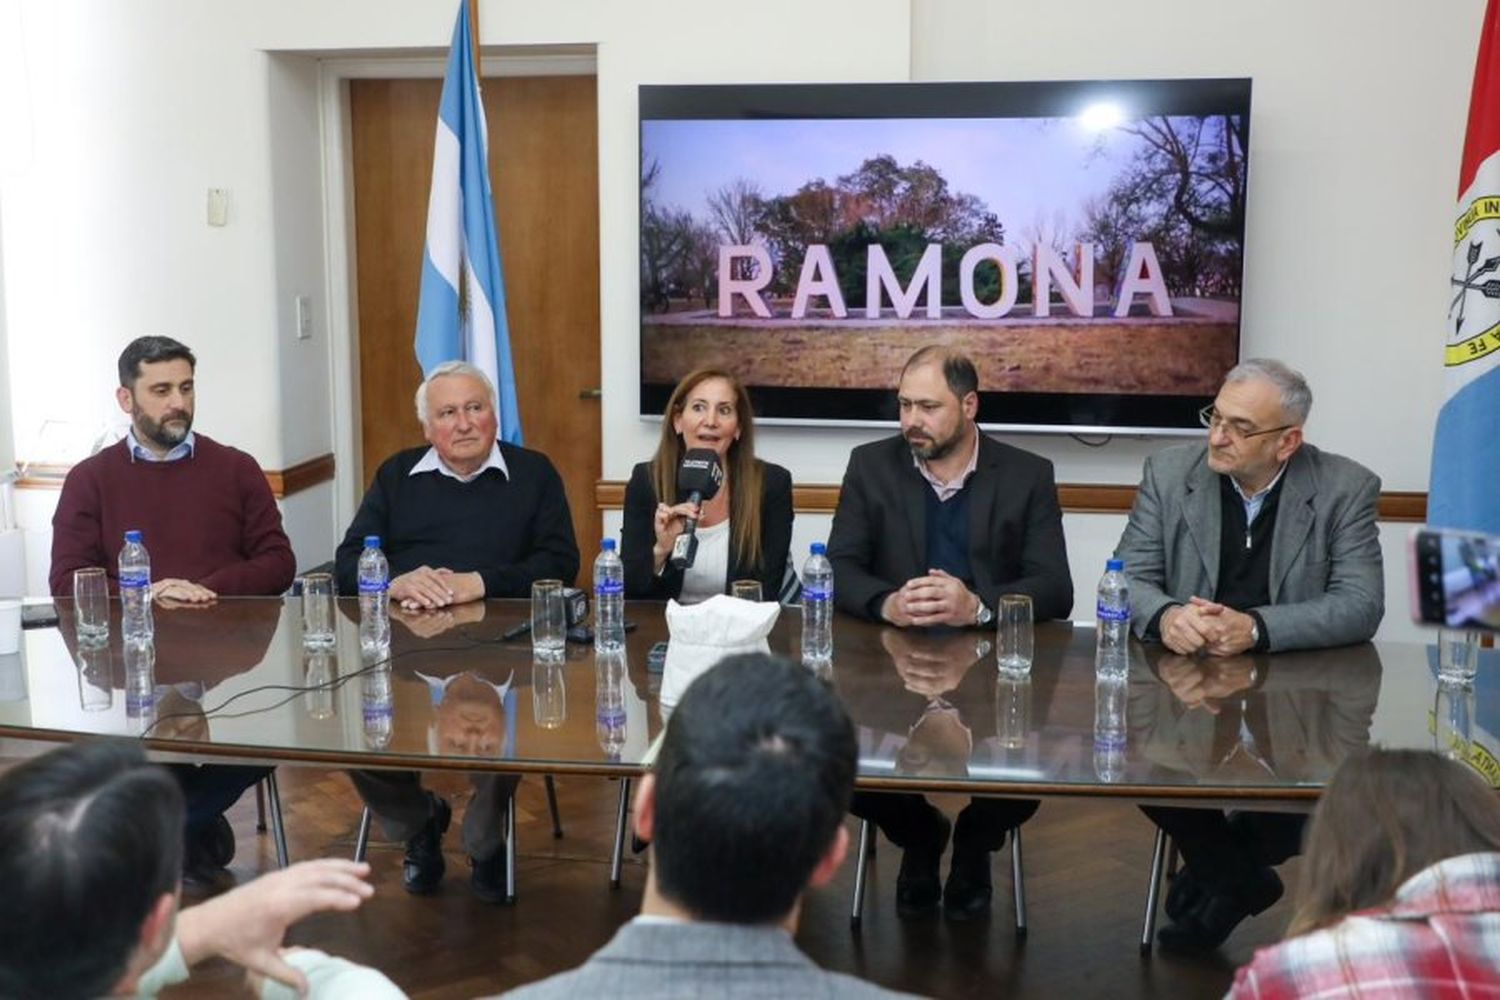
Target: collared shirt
[
  {"x": 433, "y": 462},
  {"x": 945, "y": 491},
  {"x": 1254, "y": 503},
  {"x": 1439, "y": 937},
  {"x": 138, "y": 451}
]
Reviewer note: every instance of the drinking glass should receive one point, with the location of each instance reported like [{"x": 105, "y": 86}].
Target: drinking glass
[
  {"x": 1014, "y": 634},
  {"x": 320, "y": 668},
  {"x": 96, "y": 691},
  {"x": 745, "y": 590},
  {"x": 1453, "y": 720},
  {"x": 548, "y": 617},
  {"x": 91, "y": 604},
  {"x": 1013, "y": 710},
  {"x": 549, "y": 692},
  {"x": 317, "y": 610},
  {"x": 1458, "y": 655}
]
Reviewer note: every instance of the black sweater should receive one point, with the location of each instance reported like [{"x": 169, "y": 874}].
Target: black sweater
[{"x": 511, "y": 531}]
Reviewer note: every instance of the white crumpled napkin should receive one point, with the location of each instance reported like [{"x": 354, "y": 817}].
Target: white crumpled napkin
[{"x": 703, "y": 634}]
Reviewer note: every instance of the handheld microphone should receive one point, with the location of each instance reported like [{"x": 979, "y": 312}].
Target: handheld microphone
[{"x": 698, "y": 479}]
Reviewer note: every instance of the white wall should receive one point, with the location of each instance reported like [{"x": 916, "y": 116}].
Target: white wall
[{"x": 136, "y": 107}]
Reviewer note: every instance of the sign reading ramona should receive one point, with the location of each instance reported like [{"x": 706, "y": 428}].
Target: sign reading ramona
[{"x": 1141, "y": 275}]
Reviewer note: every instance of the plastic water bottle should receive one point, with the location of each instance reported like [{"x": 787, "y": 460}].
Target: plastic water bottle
[
  {"x": 140, "y": 685},
  {"x": 610, "y": 678},
  {"x": 609, "y": 600},
  {"x": 1112, "y": 647},
  {"x": 377, "y": 702},
  {"x": 817, "y": 607},
  {"x": 135, "y": 591},
  {"x": 374, "y": 586},
  {"x": 1109, "y": 728}
]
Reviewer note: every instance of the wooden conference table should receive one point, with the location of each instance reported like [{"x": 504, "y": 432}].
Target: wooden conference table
[{"x": 233, "y": 681}]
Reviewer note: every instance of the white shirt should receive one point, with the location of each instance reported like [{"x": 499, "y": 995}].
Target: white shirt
[
  {"x": 433, "y": 462},
  {"x": 710, "y": 568}
]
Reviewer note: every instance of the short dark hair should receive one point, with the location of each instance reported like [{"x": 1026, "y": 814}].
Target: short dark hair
[
  {"x": 754, "y": 777},
  {"x": 92, "y": 837},
  {"x": 958, "y": 370},
  {"x": 148, "y": 350}
]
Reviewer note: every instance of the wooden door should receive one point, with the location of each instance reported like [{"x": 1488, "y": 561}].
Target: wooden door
[{"x": 544, "y": 174}]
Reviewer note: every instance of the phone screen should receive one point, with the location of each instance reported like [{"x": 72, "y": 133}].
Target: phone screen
[{"x": 1456, "y": 579}]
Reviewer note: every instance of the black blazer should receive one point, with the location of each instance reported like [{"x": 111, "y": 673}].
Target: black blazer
[
  {"x": 638, "y": 537},
  {"x": 1016, "y": 545}
]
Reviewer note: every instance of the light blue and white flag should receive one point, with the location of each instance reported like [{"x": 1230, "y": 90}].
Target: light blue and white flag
[
  {"x": 1465, "y": 488},
  {"x": 461, "y": 312}
]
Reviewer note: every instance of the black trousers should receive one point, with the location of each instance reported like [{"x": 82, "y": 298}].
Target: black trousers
[
  {"x": 909, "y": 820},
  {"x": 1225, "y": 851},
  {"x": 210, "y": 789}
]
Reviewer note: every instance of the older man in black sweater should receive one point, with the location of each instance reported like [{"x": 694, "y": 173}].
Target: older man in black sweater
[{"x": 465, "y": 519}]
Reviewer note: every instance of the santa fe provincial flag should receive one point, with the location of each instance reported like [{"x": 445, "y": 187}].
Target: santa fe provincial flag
[
  {"x": 461, "y": 311},
  {"x": 1465, "y": 489}
]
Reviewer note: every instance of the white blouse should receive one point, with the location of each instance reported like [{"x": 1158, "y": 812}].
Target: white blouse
[{"x": 710, "y": 568}]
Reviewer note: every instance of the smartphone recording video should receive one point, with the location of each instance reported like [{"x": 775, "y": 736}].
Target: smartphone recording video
[{"x": 1455, "y": 578}]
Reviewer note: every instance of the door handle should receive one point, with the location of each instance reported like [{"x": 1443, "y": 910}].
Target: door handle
[{"x": 590, "y": 393}]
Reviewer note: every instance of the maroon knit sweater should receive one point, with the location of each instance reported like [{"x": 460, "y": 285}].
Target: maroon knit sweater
[{"x": 209, "y": 518}]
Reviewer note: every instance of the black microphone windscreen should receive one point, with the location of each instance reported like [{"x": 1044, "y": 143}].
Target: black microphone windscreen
[{"x": 700, "y": 473}]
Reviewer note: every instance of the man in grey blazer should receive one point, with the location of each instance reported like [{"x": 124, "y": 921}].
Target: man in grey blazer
[
  {"x": 744, "y": 812},
  {"x": 932, "y": 526},
  {"x": 1259, "y": 542}
]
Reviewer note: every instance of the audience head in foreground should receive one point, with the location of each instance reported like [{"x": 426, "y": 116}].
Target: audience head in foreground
[
  {"x": 744, "y": 810},
  {"x": 1401, "y": 889},
  {"x": 93, "y": 848}
]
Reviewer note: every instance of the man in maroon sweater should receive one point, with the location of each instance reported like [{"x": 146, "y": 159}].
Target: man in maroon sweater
[{"x": 208, "y": 519}]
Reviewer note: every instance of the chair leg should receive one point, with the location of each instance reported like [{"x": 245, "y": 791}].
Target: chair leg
[
  {"x": 362, "y": 839},
  {"x": 861, "y": 866},
  {"x": 1153, "y": 890},
  {"x": 622, "y": 814},
  {"x": 1018, "y": 880},
  {"x": 278, "y": 829},
  {"x": 260, "y": 807},
  {"x": 557, "y": 830},
  {"x": 510, "y": 851}
]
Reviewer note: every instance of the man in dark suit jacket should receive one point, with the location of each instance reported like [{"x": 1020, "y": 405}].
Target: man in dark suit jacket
[
  {"x": 932, "y": 527},
  {"x": 1253, "y": 541},
  {"x": 744, "y": 812}
]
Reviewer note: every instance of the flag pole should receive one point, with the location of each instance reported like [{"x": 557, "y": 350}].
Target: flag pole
[{"x": 474, "y": 34}]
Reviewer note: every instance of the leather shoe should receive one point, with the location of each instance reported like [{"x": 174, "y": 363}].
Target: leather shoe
[
  {"x": 919, "y": 886},
  {"x": 422, "y": 867},
  {"x": 1184, "y": 894},
  {"x": 487, "y": 877},
  {"x": 967, "y": 894},
  {"x": 1209, "y": 924},
  {"x": 208, "y": 852}
]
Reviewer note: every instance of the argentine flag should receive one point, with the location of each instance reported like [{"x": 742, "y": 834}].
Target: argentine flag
[
  {"x": 1465, "y": 490},
  {"x": 461, "y": 311}
]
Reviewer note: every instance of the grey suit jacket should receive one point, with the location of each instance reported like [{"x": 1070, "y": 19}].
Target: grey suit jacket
[
  {"x": 1327, "y": 577},
  {"x": 693, "y": 960}
]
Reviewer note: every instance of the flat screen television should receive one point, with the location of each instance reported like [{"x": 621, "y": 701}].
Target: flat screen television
[{"x": 1082, "y": 241}]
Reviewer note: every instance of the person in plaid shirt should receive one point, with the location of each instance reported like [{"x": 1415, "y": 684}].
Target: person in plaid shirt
[{"x": 1400, "y": 895}]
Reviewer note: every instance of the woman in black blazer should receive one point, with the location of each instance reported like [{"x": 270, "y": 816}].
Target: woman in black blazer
[{"x": 744, "y": 532}]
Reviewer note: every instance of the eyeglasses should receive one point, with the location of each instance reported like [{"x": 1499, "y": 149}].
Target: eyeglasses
[{"x": 1237, "y": 429}]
